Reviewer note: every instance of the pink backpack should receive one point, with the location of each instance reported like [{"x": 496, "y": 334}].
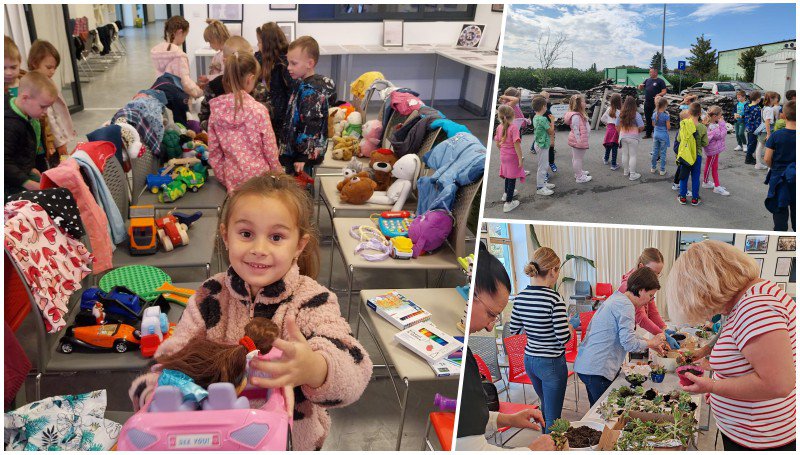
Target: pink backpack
[{"x": 430, "y": 231}]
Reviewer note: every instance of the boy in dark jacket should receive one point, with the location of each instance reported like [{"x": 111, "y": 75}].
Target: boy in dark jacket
[
  {"x": 23, "y": 132},
  {"x": 305, "y": 128}
]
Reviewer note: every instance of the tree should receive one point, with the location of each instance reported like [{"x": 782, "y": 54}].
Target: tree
[
  {"x": 703, "y": 60},
  {"x": 657, "y": 60},
  {"x": 549, "y": 50},
  {"x": 593, "y": 67},
  {"x": 747, "y": 60}
]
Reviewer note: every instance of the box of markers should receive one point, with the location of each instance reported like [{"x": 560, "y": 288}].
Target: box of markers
[
  {"x": 449, "y": 365},
  {"x": 428, "y": 341},
  {"x": 398, "y": 309}
]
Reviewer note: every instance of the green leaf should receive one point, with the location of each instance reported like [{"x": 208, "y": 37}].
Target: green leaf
[
  {"x": 534, "y": 238},
  {"x": 578, "y": 259}
]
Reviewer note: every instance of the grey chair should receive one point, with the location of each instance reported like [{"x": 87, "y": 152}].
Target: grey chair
[
  {"x": 486, "y": 347},
  {"x": 582, "y": 292},
  {"x": 394, "y": 120},
  {"x": 142, "y": 166}
]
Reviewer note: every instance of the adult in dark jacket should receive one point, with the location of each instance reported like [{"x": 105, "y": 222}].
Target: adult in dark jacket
[{"x": 653, "y": 87}]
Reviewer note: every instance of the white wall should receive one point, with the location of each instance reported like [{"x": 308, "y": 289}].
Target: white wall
[
  {"x": 81, "y": 10},
  {"x": 770, "y": 260},
  {"x": 151, "y": 12},
  {"x": 160, "y": 12},
  {"x": 414, "y": 71},
  {"x": 16, "y": 26}
]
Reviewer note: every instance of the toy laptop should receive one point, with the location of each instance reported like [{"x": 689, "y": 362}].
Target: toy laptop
[{"x": 395, "y": 224}]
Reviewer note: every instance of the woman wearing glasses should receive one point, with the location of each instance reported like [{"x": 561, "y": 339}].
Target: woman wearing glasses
[{"x": 540, "y": 312}]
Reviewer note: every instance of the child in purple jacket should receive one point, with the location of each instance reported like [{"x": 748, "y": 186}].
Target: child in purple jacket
[{"x": 716, "y": 145}]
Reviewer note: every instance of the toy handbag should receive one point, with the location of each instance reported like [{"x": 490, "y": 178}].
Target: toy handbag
[{"x": 430, "y": 231}]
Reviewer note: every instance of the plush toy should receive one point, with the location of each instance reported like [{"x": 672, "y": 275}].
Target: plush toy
[
  {"x": 171, "y": 144},
  {"x": 344, "y": 148},
  {"x": 194, "y": 125},
  {"x": 194, "y": 149},
  {"x": 353, "y": 127},
  {"x": 202, "y": 137},
  {"x": 381, "y": 162},
  {"x": 371, "y": 134},
  {"x": 354, "y": 166},
  {"x": 332, "y": 120},
  {"x": 406, "y": 170},
  {"x": 362, "y": 174},
  {"x": 337, "y": 122},
  {"x": 343, "y": 154},
  {"x": 357, "y": 190}
]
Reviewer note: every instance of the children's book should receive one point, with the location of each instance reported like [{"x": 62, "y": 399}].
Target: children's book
[
  {"x": 428, "y": 341},
  {"x": 398, "y": 309},
  {"x": 450, "y": 365}
]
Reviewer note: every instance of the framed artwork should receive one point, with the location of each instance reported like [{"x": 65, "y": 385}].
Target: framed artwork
[
  {"x": 289, "y": 29},
  {"x": 226, "y": 12},
  {"x": 471, "y": 36},
  {"x": 484, "y": 227},
  {"x": 497, "y": 7},
  {"x": 234, "y": 28},
  {"x": 781, "y": 285},
  {"x": 786, "y": 243},
  {"x": 685, "y": 238},
  {"x": 792, "y": 277},
  {"x": 760, "y": 262},
  {"x": 393, "y": 33},
  {"x": 756, "y": 243},
  {"x": 280, "y": 7},
  {"x": 783, "y": 266}
]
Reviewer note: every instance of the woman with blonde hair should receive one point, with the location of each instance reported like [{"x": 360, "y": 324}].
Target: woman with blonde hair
[
  {"x": 540, "y": 312},
  {"x": 752, "y": 386}
]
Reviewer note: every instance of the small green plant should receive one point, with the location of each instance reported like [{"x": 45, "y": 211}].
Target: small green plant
[
  {"x": 558, "y": 431},
  {"x": 657, "y": 369},
  {"x": 685, "y": 358},
  {"x": 641, "y": 435}
]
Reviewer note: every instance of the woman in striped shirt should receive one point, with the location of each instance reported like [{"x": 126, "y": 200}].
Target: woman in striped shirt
[
  {"x": 540, "y": 312},
  {"x": 752, "y": 388}
]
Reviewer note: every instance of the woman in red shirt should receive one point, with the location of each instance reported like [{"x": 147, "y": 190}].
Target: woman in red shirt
[{"x": 752, "y": 387}]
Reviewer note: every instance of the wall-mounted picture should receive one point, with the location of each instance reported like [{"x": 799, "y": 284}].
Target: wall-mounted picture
[
  {"x": 289, "y": 29},
  {"x": 760, "y": 262},
  {"x": 782, "y": 285},
  {"x": 234, "y": 28},
  {"x": 786, "y": 243},
  {"x": 392, "y": 33},
  {"x": 497, "y": 7},
  {"x": 756, "y": 243},
  {"x": 783, "y": 266},
  {"x": 470, "y": 36},
  {"x": 280, "y": 7},
  {"x": 226, "y": 12},
  {"x": 688, "y": 238},
  {"x": 792, "y": 273}
]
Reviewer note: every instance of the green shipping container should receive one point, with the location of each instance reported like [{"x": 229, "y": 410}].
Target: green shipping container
[{"x": 629, "y": 76}]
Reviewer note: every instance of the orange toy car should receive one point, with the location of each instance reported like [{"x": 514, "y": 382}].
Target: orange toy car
[{"x": 108, "y": 337}]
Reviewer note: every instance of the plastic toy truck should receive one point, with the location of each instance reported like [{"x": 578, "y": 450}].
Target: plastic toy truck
[
  {"x": 172, "y": 233},
  {"x": 225, "y": 422},
  {"x": 155, "y": 329},
  {"x": 154, "y": 182},
  {"x": 106, "y": 337},
  {"x": 120, "y": 304},
  {"x": 192, "y": 179},
  {"x": 142, "y": 230}
]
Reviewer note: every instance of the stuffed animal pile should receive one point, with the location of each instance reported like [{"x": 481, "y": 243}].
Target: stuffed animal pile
[
  {"x": 345, "y": 128},
  {"x": 344, "y": 148}
]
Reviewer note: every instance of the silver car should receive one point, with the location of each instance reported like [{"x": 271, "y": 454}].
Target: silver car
[
  {"x": 747, "y": 87},
  {"x": 717, "y": 88}
]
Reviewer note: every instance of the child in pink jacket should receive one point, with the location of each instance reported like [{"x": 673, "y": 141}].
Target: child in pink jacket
[
  {"x": 241, "y": 142},
  {"x": 717, "y": 129},
  {"x": 168, "y": 57}
]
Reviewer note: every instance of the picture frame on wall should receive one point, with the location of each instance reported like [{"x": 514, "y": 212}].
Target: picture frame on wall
[
  {"x": 760, "y": 262},
  {"x": 470, "y": 36},
  {"x": 756, "y": 243},
  {"x": 783, "y": 266},
  {"x": 289, "y": 29},
  {"x": 497, "y": 7},
  {"x": 792, "y": 276},
  {"x": 226, "y": 12},
  {"x": 782, "y": 285},
  {"x": 484, "y": 227},
  {"x": 787, "y": 243},
  {"x": 393, "y": 32},
  {"x": 283, "y": 7},
  {"x": 234, "y": 28}
]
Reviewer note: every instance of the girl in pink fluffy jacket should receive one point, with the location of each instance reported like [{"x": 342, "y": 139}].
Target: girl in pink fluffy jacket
[
  {"x": 274, "y": 257},
  {"x": 168, "y": 57}
]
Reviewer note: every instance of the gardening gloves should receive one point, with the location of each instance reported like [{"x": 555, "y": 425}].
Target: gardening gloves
[
  {"x": 575, "y": 321},
  {"x": 673, "y": 344},
  {"x": 669, "y": 332}
]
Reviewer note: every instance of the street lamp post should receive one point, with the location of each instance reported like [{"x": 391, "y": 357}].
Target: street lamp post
[{"x": 663, "y": 31}]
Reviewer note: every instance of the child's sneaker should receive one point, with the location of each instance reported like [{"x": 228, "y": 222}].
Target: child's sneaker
[
  {"x": 652, "y": 170},
  {"x": 682, "y": 200},
  {"x": 707, "y": 185},
  {"x": 738, "y": 148},
  {"x": 509, "y": 206},
  {"x": 614, "y": 167},
  {"x": 662, "y": 172},
  {"x": 554, "y": 168},
  {"x": 544, "y": 191},
  {"x": 761, "y": 167},
  {"x": 634, "y": 176},
  {"x": 721, "y": 190},
  {"x": 676, "y": 187},
  {"x": 583, "y": 179},
  {"x": 695, "y": 201},
  {"x": 624, "y": 172},
  {"x": 527, "y": 172},
  {"x": 606, "y": 162},
  {"x": 505, "y": 196},
  {"x": 549, "y": 185}
]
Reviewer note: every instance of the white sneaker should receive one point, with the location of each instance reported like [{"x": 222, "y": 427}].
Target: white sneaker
[
  {"x": 721, "y": 190},
  {"x": 527, "y": 172},
  {"x": 738, "y": 148},
  {"x": 624, "y": 171},
  {"x": 761, "y": 167},
  {"x": 662, "y": 172},
  {"x": 503, "y": 199},
  {"x": 707, "y": 185},
  {"x": 676, "y": 187},
  {"x": 652, "y": 170},
  {"x": 634, "y": 176},
  {"x": 544, "y": 191},
  {"x": 509, "y": 206},
  {"x": 549, "y": 186},
  {"x": 583, "y": 179},
  {"x": 585, "y": 172}
]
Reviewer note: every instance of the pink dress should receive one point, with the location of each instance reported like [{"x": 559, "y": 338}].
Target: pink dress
[
  {"x": 509, "y": 162},
  {"x": 647, "y": 317}
]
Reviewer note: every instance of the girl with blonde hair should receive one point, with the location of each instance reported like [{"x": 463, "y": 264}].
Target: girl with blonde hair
[
  {"x": 578, "y": 136},
  {"x": 215, "y": 35},
  {"x": 508, "y": 140}
]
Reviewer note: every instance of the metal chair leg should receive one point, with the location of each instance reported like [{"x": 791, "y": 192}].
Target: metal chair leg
[
  {"x": 38, "y": 389},
  {"x": 425, "y": 443}
]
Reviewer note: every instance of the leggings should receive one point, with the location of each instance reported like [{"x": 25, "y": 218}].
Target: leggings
[
  {"x": 577, "y": 161},
  {"x": 552, "y": 151},
  {"x": 630, "y": 148},
  {"x": 510, "y": 185},
  {"x": 611, "y": 149},
  {"x": 761, "y": 147},
  {"x": 752, "y": 140},
  {"x": 712, "y": 167}
]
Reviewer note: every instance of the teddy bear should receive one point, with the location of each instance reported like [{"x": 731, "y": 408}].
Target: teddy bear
[
  {"x": 353, "y": 127},
  {"x": 354, "y": 166},
  {"x": 335, "y": 115},
  {"x": 382, "y": 161},
  {"x": 344, "y": 148},
  {"x": 357, "y": 190},
  {"x": 406, "y": 170},
  {"x": 346, "y": 179},
  {"x": 343, "y": 154},
  {"x": 371, "y": 134}
]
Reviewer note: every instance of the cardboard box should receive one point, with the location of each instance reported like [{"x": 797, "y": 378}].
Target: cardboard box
[{"x": 612, "y": 433}]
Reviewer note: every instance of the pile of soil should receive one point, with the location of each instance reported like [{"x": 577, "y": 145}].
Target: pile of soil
[{"x": 583, "y": 437}]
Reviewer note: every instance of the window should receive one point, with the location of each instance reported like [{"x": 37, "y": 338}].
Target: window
[
  {"x": 725, "y": 88},
  {"x": 379, "y": 12},
  {"x": 501, "y": 247}
]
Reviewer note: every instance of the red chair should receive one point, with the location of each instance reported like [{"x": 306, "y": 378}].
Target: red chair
[
  {"x": 586, "y": 318},
  {"x": 443, "y": 423},
  {"x": 515, "y": 351},
  {"x": 570, "y": 353}
]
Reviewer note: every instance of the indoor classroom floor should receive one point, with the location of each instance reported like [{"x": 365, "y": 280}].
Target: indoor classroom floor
[{"x": 369, "y": 424}]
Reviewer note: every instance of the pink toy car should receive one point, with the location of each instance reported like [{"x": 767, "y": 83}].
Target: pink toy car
[{"x": 226, "y": 421}]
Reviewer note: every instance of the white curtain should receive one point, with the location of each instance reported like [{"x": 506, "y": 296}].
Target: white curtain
[
  {"x": 50, "y": 27},
  {"x": 16, "y": 27}
]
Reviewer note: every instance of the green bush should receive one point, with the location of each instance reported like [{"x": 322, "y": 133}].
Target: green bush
[
  {"x": 536, "y": 79},
  {"x": 679, "y": 84}
]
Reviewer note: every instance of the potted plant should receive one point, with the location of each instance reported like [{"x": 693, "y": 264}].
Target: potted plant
[
  {"x": 657, "y": 373},
  {"x": 558, "y": 432},
  {"x": 685, "y": 365},
  {"x": 635, "y": 380}
]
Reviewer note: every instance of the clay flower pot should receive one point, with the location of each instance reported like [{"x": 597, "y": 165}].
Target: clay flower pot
[{"x": 693, "y": 369}]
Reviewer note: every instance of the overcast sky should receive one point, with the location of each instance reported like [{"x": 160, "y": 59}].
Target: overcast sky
[{"x": 629, "y": 34}]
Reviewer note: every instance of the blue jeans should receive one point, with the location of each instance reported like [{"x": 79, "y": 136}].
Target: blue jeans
[
  {"x": 738, "y": 127},
  {"x": 596, "y": 386},
  {"x": 695, "y": 176},
  {"x": 752, "y": 141},
  {"x": 659, "y": 150},
  {"x": 549, "y": 378},
  {"x": 611, "y": 150}
]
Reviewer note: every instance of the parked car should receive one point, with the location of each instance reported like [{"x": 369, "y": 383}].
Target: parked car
[
  {"x": 716, "y": 88},
  {"x": 747, "y": 87}
]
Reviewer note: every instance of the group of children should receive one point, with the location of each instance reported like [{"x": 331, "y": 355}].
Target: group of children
[{"x": 700, "y": 134}]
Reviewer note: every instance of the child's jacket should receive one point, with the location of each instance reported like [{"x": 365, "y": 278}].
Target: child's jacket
[
  {"x": 22, "y": 136},
  {"x": 59, "y": 122},
  {"x": 169, "y": 58},
  {"x": 241, "y": 144},
  {"x": 222, "y": 307},
  {"x": 305, "y": 127},
  {"x": 716, "y": 139},
  {"x": 688, "y": 147},
  {"x": 583, "y": 131},
  {"x": 752, "y": 117}
]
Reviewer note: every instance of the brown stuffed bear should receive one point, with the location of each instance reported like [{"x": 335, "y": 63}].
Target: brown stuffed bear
[
  {"x": 382, "y": 162},
  {"x": 362, "y": 174},
  {"x": 202, "y": 137},
  {"x": 344, "y": 148},
  {"x": 343, "y": 154},
  {"x": 357, "y": 190}
]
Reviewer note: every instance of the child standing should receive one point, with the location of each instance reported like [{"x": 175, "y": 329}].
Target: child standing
[
  {"x": 215, "y": 34},
  {"x": 675, "y": 147},
  {"x": 769, "y": 114},
  {"x": 23, "y": 132},
  {"x": 781, "y": 157},
  {"x": 274, "y": 256},
  {"x": 717, "y": 130},
  {"x": 11, "y": 67},
  {"x": 542, "y": 128},
  {"x": 241, "y": 143},
  {"x": 274, "y": 85},
  {"x": 507, "y": 138},
  {"x": 168, "y": 58},
  {"x": 611, "y": 139},
  {"x": 215, "y": 88},
  {"x": 693, "y": 136},
  {"x": 738, "y": 127},
  {"x": 687, "y": 101},
  {"x": 630, "y": 125},
  {"x": 549, "y": 115},
  {"x": 752, "y": 122},
  {"x": 305, "y": 128},
  {"x": 578, "y": 136},
  {"x": 511, "y": 98},
  {"x": 660, "y": 136}
]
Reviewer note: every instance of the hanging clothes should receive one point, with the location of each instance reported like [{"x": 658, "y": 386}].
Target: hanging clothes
[
  {"x": 458, "y": 161},
  {"x": 60, "y": 207},
  {"x": 91, "y": 158}
]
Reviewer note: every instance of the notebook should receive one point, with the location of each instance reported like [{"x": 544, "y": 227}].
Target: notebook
[
  {"x": 428, "y": 341},
  {"x": 398, "y": 309}
]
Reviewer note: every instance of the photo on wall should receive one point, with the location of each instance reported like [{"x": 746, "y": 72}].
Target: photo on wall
[{"x": 471, "y": 35}]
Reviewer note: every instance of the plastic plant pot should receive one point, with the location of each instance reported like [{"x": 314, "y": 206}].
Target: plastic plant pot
[
  {"x": 693, "y": 369},
  {"x": 657, "y": 378}
]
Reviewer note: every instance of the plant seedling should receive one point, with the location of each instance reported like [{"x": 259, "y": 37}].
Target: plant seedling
[{"x": 558, "y": 432}]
